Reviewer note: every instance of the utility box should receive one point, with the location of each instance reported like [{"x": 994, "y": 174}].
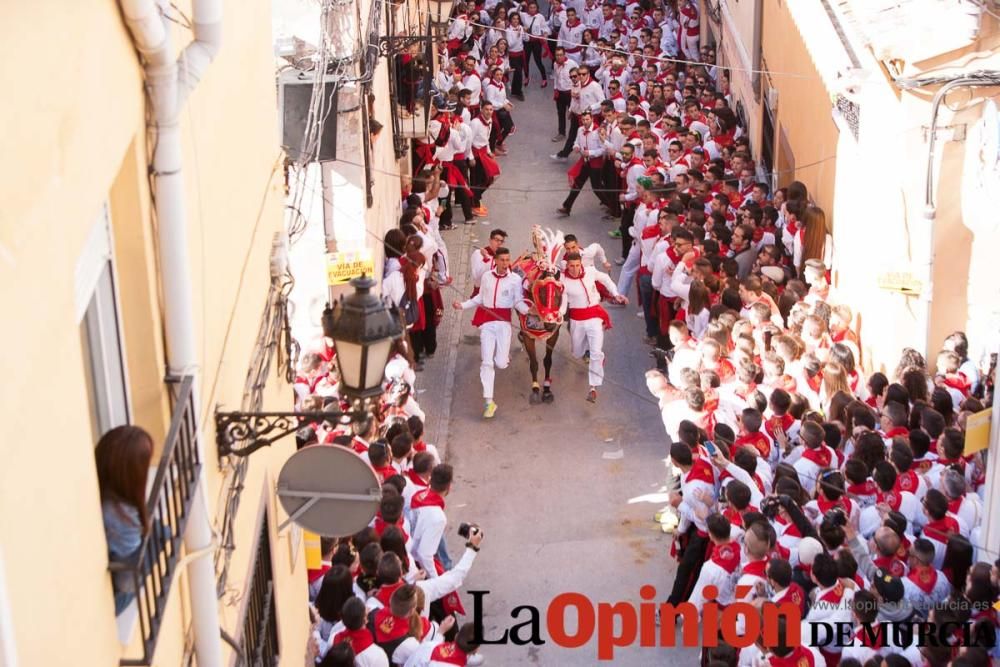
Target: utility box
[{"x": 295, "y": 98}]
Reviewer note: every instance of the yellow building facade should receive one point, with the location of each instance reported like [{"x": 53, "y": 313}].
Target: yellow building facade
[
  {"x": 82, "y": 282},
  {"x": 838, "y": 95}
]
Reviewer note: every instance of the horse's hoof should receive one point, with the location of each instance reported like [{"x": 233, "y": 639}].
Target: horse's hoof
[
  {"x": 548, "y": 396},
  {"x": 534, "y": 397}
]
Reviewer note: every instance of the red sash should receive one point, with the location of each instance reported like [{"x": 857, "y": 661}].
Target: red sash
[
  {"x": 591, "y": 312},
  {"x": 484, "y": 315},
  {"x": 490, "y": 166},
  {"x": 358, "y": 639},
  {"x": 454, "y": 178}
]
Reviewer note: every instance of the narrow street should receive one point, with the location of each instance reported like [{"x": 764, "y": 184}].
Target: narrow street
[{"x": 565, "y": 491}]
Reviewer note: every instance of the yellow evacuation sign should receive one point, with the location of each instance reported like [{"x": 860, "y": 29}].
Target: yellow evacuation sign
[
  {"x": 977, "y": 431},
  {"x": 341, "y": 267}
]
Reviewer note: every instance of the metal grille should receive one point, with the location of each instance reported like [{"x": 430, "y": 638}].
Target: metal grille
[
  {"x": 851, "y": 113},
  {"x": 152, "y": 569},
  {"x": 259, "y": 643}
]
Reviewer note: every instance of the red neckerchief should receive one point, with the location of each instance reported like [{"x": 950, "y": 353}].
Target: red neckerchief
[
  {"x": 814, "y": 382},
  {"x": 825, "y": 504},
  {"x": 890, "y": 498},
  {"x": 891, "y": 564},
  {"x": 701, "y": 471},
  {"x": 731, "y": 513},
  {"x": 799, "y": 657},
  {"x": 835, "y": 594},
  {"x": 449, "y": 653},
  {"x": 866, "y": 639},
  {"x": 957, "y": 381},
  {"x": 783, "y": 421},
  {"x": 907, "y": 481},
  {"x": 726, "y": 556},
  {"x": 388, "y": 627},
  {"x": 572, "y": 23},
  {"x": 757, "y": 568},
  {"x": 385, "y": 591},
  {"x": 820, "y": 456},
  {"x": 415, "y": 479},
  {"x": 941, "y": 529},
  {"x": 756, "y": 440},
  {"x": 898, "y": 430},
  {"x": 955, "y": 505},
  {"x": 385, "y": 472},
  {"x": 924, "y": 577},
  {"x": 866, "y": 488},
  {"x": 793, "y": 594},
  {"x": 359, "y": 639},
  {"x": 381, "y": 525},
  {"x": 359, "y": 446},
  {"x": 427, "y": 498}
]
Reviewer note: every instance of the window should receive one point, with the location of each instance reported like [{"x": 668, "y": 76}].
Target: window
[
  {"x": 100, "y": 330},
  {"x": 767, "y": 145},
  {"x": 259, "y": 643}
]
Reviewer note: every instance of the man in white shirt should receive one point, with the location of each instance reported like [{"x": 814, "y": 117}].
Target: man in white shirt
[
  {"x": 590, "y": 144},
  {"x": 586, "y": 95},
  {"x": 564, "y": 70},
  {"x": 588, "y": 319},
  {"x": 500, "y": 291}
]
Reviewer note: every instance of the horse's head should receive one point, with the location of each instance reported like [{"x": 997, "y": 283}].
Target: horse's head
[{"x": 547, "y": 295}]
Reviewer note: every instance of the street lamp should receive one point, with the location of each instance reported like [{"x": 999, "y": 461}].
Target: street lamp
[
  {"x": 363, "y": 328},
  {"x": 440, "y": 11}
]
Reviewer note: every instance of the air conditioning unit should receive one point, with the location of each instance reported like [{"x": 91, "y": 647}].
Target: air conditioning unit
[{"x": 295, "y": 97}]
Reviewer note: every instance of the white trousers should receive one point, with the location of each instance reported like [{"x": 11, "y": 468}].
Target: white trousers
[
  {"x": 629, "y": 270},
  {"x": 589, "y": 335},
  {"x": 494, "y": 348}
]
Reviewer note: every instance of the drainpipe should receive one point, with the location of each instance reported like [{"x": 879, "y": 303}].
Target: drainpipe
[
  {"x": 169, "y": 82},
  {"x": 925, "y": 255}
]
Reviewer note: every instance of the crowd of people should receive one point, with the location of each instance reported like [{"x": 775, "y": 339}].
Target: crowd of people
[{"x": 793, "y": 476}]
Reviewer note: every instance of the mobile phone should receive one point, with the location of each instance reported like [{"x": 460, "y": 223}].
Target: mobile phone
[{"x": 710, "y": 446}]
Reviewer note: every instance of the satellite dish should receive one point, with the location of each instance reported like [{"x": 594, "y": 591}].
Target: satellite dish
[{"x": 328, "y": 490}]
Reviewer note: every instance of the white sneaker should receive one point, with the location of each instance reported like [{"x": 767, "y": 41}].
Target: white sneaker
[
  {"x": 556, "y": 156},
  {"x": 475, "y": 659}
]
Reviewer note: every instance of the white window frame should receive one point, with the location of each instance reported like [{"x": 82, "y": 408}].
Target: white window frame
[{"x": 98, "y": 314}]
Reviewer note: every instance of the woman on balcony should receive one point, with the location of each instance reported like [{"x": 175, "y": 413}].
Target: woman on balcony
[{"x": 123, "y": 455}]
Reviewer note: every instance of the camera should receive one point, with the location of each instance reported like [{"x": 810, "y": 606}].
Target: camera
[
  {"x": 836, "y": 517},
  {"x": 467, "y": 530},
  {"x": 769, "y": 508}
]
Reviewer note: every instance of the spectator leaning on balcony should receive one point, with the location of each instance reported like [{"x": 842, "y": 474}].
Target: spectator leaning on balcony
[{"x": 123, "y": 455}]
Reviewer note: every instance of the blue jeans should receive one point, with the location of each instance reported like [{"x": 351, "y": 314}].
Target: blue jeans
[
  {"x": 442, "y": 555},
  {"x": 648, "y": 296}
]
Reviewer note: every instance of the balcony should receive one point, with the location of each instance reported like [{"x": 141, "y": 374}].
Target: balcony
[{"x": 153, "y": 568}]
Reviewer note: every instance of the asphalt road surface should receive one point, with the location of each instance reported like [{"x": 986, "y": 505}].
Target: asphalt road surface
[{"x": 565, "y": 492}]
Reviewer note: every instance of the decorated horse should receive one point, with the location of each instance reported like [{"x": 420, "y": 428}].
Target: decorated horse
[{"x": 544, "y": 293}]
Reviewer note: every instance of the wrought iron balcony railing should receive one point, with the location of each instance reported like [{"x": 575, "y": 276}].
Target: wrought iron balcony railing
[{"x": 152, "y": 569}]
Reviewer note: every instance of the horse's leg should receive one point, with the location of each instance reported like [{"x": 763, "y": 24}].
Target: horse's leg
[
  {"x": 550, "y": 345},
  {"x": 529, "y": 347}
]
